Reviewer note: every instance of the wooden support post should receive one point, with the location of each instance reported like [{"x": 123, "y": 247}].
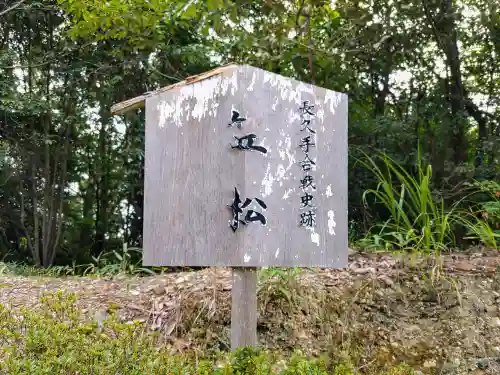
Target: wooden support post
[{"x": 244, "y": 308}]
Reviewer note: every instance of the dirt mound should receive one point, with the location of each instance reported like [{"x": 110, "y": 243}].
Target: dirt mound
[{"x": 439, "y": 315}]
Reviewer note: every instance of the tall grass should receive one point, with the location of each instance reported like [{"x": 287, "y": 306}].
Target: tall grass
[
  {"x": 418, "y": 219},
  {"x": 114, "y": 263},
  {"x": 105, "y": 264},
  {"x": 484, "y": 222}
]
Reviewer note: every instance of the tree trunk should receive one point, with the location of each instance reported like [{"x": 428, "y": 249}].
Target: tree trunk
[
  {"x": 444, "y": 28},
  {"x": 102, "y": 191}
]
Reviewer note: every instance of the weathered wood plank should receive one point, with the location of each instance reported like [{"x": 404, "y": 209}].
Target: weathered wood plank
[
  {"x": 138, "y": 102},
  {"x": 244, "y": 308},
  {"x": 191, "y": 173},
  {"x": 128, "y": 105}
]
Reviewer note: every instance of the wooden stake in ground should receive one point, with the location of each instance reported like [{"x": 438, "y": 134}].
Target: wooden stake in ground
[
  {"x": 245, "y": 169},
  {"x": 244, "y": 308}
]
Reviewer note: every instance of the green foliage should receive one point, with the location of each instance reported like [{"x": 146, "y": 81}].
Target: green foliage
[
  {"x": 24, "y": 269},
  {"x": 418, "y": 220},
  {"x": 281, "y": 273},
  {"x": 55, "y": 339},
  {"x": 106, "y": 264},
  {"x": 484, "y": 223},
  {"x": 279, "y": 284},
  {"x": 117, "y": 19},
  {"x": 64, "y": 63},
  {"x": 114, "y": 263}
]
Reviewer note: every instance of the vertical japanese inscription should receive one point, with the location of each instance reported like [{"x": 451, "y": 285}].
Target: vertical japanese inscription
[
  {"x": 243, "y": 143},
  {"x": 308, "y": 216}
]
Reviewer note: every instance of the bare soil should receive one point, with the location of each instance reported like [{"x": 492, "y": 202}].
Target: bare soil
[{"x": 440, "y": 315}]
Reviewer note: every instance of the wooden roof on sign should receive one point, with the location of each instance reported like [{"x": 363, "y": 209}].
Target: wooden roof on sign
[{"x": 138, "y": 101}]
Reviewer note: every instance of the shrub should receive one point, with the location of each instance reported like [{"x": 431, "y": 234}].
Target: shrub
[{"x": 56, "y": 340}]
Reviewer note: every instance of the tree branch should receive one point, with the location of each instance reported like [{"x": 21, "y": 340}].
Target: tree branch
[{"x": 5, "y": 11}]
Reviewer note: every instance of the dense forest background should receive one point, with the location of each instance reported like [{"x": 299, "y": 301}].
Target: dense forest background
[{"x": 423, "y": 79}]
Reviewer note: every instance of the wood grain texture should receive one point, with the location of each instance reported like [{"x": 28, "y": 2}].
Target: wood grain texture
[
  {"x": 138, "y": 101},
  {"x": 128, "y": 105},
  {"x": 191, "y": 172},
  {"x": 244, "y": 308}
]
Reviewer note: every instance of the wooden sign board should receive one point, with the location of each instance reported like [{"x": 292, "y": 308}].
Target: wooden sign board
[{"x": 246, "y": 168}]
